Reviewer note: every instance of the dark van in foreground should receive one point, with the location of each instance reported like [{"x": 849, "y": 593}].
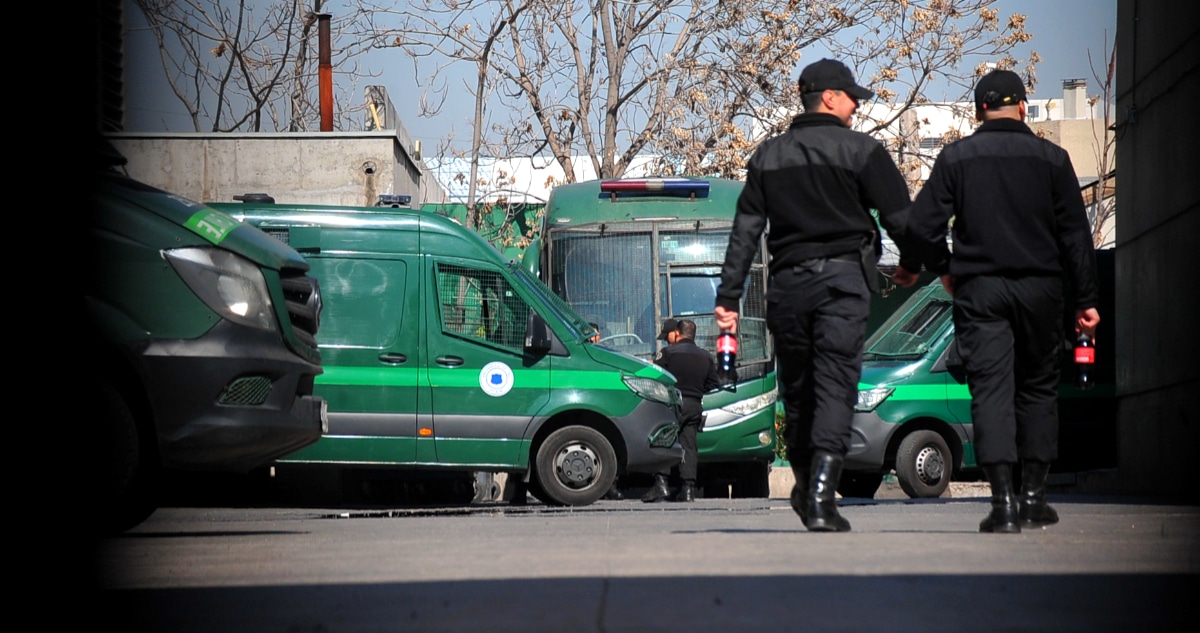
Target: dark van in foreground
[{"x": 208, "y": 351}]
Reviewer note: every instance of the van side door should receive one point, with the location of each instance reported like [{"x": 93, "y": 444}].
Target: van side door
[
  {"x": 369, "y": 345},
  {"x": 485, "y": 390}
]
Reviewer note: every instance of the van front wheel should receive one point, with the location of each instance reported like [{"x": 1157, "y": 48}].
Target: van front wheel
[
  {"x": 924, "y": 464},
  {"x": 575, "y": 466}
]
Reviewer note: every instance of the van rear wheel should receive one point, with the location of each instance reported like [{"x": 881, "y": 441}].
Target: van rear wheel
[
  {"x": 924, "y": 464},
  {"x": 576, "y": 465}
]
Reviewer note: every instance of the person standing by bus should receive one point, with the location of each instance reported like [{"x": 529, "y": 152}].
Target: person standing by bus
[
  {"x": 816, "y": 184},
  {"x": 695, "y": 373},
  {"x": 1018, "y": 217}
]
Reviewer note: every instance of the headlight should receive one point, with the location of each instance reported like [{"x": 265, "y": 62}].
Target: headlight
[
  {"x": 868, "y": 399},
  {"x": 750, "y": 405},
  {"x": 651, "y": 389},
  {"x": 229, "y": 284}
]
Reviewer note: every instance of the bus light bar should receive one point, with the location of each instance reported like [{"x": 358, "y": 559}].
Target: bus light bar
[{"x": 668, "y": 186}]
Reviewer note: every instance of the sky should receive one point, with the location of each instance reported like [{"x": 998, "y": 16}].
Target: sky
[{"x": 1064, "y": 32}]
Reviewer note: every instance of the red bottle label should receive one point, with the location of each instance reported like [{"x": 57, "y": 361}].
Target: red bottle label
[
  {"x": 1085, "y": 355},
  {"x": 726, "y": 344}
]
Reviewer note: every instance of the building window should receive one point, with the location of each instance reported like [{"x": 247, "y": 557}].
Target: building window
[
  {"x": 931, "y": 143},
  {"x": 1032, "y": 112}
]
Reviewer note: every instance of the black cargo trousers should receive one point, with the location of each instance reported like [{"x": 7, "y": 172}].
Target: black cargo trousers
[
  {"x": 817, "y": 313},
  {"x": 1009, "y": 332},
  {"x": 691, "y": 416}
]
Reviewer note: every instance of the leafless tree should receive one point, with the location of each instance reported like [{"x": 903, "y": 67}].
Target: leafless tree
[
  {"x": 1103, "y": 204},
  {"x": 246, "y": 65},
  {"x": 697, "y": 82}
]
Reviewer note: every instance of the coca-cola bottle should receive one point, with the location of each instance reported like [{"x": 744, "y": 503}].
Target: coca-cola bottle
[
  {"x": 727, "y": 346},
  {"x": 1085, "y": 360}
]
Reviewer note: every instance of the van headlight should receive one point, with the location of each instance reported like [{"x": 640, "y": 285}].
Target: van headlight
[
  {"x": 651, "y": 389},
  {"x": 868, "y": 399},
  {"x": 231, "y": 285}
]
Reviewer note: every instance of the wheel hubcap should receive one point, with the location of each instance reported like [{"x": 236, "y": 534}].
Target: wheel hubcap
[
  {"x": 577, "y": 465},
  {"x": 930, "y": 465}
]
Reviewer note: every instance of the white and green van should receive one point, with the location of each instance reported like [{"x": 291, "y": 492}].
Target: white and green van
[{"x": 439, "y": 355}]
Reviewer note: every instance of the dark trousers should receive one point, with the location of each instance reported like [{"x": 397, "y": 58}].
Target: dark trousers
[
  {"x": 1009, "y": 333},
  {"x": 817, "y": 314},
  {"x": 690, "y": 418}
]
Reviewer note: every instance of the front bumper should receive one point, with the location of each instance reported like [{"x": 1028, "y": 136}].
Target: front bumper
[
  {"x": 650, "y": 420},
  {"x": 230, "y": 400},
  {"x": 869, "y": 435}
]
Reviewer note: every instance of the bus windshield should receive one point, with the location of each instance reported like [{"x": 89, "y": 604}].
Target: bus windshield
[{"x": 628, "y": 277}]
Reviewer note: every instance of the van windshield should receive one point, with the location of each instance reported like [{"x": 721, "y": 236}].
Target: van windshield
[
  {"x": 553, "y": 302},
  {"x": 911, "y": 330}
]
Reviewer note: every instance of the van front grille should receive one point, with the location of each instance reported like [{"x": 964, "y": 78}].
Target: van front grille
[{"x": 303, "y": 296}]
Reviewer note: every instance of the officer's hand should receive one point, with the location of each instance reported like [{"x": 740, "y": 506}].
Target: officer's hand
[
  {"x": 1086, "y": 322},
  {"x": 948, "y": 282},
  {"x": 904, "y": 277},
  {"x": 726, "y": 319}
]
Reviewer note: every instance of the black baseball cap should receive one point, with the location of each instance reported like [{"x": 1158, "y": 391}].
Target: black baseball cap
[
  {"x": 830, "y": 74},
  {"x": 999, "y": 88},
  {"x": 670, "y": 325}
]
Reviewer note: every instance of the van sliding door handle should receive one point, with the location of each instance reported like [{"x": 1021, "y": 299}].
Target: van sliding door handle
[
  {"x": 393, "y": 359},
  {"x": 450, "y": 361}
]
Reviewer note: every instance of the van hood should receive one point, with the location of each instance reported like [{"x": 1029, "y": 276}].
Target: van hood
[
  {"x": 886, "y": 372},
  {"x": 215, "y": 227},
  {"x": 629, "y": 364}
]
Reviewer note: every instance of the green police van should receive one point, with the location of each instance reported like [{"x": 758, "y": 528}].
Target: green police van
[
  {"x": 913, "y": 414},
  {"x": 440, "y": 356},
  {"x": 206, "y": 351}
]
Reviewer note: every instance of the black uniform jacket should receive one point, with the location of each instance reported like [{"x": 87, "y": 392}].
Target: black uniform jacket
[
  {"x": 694, "y": 369},
  {"x": 1016, "y": 206},
  {"x": 816, "y": 184}
]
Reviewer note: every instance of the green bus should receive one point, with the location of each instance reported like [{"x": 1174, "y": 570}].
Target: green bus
[{"x": 628, "y": 253}]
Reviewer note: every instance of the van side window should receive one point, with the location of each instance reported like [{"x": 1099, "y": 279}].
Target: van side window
[
  {"x": 364, "y": 300},
  {"x": 480, "y": 304}
]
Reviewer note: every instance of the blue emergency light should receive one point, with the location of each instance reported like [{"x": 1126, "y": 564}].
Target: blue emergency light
[{"x": 686, "y": 187}]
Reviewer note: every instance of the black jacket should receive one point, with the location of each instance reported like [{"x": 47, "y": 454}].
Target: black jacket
[
  {"x": 694, "y": 369},
  {"x": 816, "y": 184},
  {"x": 1016, "y": 206}
]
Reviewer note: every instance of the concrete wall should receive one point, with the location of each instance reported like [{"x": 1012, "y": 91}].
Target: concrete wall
[
  {"x": 1158, "y": 354},
  {"x": 338, "y": 168},
  {"x": 1082, "y": 138}
]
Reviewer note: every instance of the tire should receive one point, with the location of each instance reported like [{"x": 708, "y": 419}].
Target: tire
[
  {"x": 859, "y": 484},
  {"x": 126, "y": 492},
  {"x": 575, "y": 466},
  {"x": 924, "y": 464}
]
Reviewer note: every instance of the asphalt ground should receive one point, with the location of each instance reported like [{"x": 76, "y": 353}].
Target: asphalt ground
[{"x": 1111, "y": 564}]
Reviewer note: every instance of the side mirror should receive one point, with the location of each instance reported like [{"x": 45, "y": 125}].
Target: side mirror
[{"x": 537, "y": 334}]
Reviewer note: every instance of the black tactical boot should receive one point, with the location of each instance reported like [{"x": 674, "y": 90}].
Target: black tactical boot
[
  {"x": 658, "y": 492},
  {"x": 1035, "y": 512},
  {"x": 687, "y": 492},
  {"x": 1004, "y": 517},
  {"x": 800, "y": 468},
  {"x": 820, "y": 502}
]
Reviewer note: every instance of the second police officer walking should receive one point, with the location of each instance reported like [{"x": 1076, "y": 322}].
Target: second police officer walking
[
  {"x": 1019, "y": 219},
  {"x": 816, "y": 185},
  {"x": 695, "y": 374}
]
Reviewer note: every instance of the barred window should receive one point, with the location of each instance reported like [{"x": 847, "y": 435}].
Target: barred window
[{"x": 480, "y": 304}]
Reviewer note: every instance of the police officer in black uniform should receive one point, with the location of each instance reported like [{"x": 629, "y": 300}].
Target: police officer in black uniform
[
  {"x": 1018, "y": 219},
  {"x": 816, "y": 184},
  {"x": 695, "y": 373}
]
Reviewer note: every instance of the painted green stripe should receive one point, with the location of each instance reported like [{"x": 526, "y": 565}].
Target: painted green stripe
[
  {"x": 371, "y": 376},
  {"x": 927, "y": 392},
  {"x": 407, "y": 377}
]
